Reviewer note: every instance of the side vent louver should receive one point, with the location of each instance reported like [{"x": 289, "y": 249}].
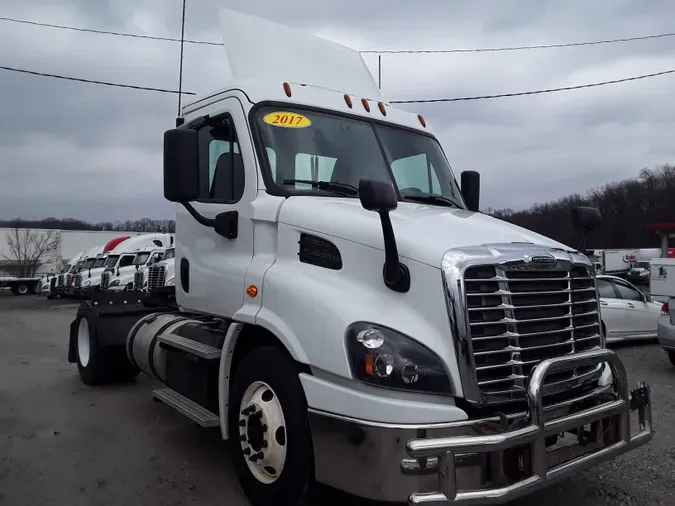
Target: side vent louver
[{"x": 320, "y": 252}]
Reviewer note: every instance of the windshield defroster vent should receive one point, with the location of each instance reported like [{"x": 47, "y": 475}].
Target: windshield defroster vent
[{"x": 320, "y": 252}]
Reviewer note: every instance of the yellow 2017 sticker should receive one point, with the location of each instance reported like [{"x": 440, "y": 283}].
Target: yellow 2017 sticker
[{"x": 287, "y": 120}]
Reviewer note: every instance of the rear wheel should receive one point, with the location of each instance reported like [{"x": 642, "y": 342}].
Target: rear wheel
[
  {"x": 269, "y": 430},
  {"x": 97, "y": 365},
  {"x": 671, "y": 356},
  {"x": 22, "y": 289}
]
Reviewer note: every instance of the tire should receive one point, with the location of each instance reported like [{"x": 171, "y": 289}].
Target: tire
[
  {"x": 97, "y": 365},
  {"x": 262, "y": 370},
  {"x": 22, "y": 289},
  {"x": 671, "y": 356}
]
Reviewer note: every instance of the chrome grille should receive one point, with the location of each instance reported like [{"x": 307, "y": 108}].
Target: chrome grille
[
  {"x": 105, "y": 280},
  {"x": 59, "y": 281},
  {"x": 68, "y": 279},
  {"x": 138, "y": 280},
  {"x": 156, "y": 276},
  {"x": 52, "y": 283},
  {"x": 519, "y": 316},
  {"x": 78, "y": 281}
]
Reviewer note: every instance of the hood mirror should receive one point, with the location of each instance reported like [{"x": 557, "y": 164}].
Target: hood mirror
[{"x": 380, "y": 196}]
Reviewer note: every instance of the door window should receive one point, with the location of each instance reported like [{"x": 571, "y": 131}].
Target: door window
[
  {"x": 627, "y": 292},
  {"x": 221, "y": 163},
  {"x": 606, "y": 289}
]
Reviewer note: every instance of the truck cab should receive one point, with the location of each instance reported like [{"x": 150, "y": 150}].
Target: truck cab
[
  {"x": 120, "y": 268},
  {"x": 341, "y": 304},
  {"x": 159, "y": 271}
]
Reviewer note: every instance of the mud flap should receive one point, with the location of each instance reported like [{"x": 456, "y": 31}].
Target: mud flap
[{"x": 111, "y": 315}]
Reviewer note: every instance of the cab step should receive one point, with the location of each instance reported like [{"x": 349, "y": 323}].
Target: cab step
[
  {"x": 190, "y": 346},
  {"x": 195, "y": 412}
]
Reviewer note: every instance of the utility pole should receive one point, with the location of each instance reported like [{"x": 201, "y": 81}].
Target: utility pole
[{"x": 182, "y": 45}]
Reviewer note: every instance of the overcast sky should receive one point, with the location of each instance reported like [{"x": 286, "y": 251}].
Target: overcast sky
[{"x": 94, "y": 152}]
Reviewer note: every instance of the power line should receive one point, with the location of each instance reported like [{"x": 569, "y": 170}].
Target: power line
[
  {"x": 423, "y": 101},
  {"x": 93, "y": 81},
  {"x": 521, "y": 48},
  {"x": 107, "y": 32},
  {"x": 377, "y": 51},
  {"x": 535, "y": 92}
]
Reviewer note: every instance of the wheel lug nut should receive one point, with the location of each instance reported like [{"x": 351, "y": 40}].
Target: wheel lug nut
[
  {"x": 253, "y": 458},
  {"x": 242, "y": 437},
  {"x": 264, "y": 444},
  {"x": 264, "y": 428},
  {"x": 247, "y": 451},
  {"x": 242, "y": 423},
  {"x": 259, "y": 455}
]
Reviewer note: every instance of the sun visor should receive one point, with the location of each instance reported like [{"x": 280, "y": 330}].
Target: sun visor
[{"x": 260, "y": 50}]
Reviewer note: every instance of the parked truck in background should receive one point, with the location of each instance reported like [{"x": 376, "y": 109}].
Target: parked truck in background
[
  {"x": 367, "y": 327},
  {"x": 617, "y": 262}
]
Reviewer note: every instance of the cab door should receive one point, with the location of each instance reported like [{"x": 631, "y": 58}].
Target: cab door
[{"x": 211, "y": 268}]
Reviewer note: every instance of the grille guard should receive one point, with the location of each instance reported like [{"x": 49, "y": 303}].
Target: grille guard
[{"x": 534, "y": 435}]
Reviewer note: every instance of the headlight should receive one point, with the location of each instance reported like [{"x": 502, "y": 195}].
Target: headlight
[
  {"x": 171, "y": 282},
  {"x": 386, "y": 358},
  {"x": 86, "y": 283},
  {"x": 115, "y": 282}
]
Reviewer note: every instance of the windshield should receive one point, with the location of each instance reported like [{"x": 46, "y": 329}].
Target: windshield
[
  {"x": 78, "y": 266},
  {"x": 170, "y": 253},
  {"x": 89, "y": 263},
  {"x": 642, "y": 265},
  {"x": 99, "y": 263},
  {"x": 141, "y": 258},
  {"x": 111, "y": 261},
  {"x": 334, "y": 149}
]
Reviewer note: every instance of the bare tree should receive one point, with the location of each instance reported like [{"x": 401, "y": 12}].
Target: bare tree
[{"x": 28, "y": 249}]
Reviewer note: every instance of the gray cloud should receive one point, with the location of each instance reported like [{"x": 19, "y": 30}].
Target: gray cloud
[{"x": 94, "y": 152}]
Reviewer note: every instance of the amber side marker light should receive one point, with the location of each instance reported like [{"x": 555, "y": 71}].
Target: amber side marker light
[
  {"x": 348, "y": 101},
  {"x": 287, "y": 89},
  {"x": 383, "y": 109},
  {"x": 366, "y": 105},
  {"x": 422, "y": 121},
  {"x": 252, "y": 291}
]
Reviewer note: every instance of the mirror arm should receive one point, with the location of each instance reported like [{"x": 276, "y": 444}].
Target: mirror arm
[
  {"x": 396, "y": 275},
  {"x": 207, "y": 222},
  {"x": 584, "y": 241}
]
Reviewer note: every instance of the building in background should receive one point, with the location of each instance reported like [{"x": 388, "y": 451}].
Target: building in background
[{"x": 48, "y": 249}]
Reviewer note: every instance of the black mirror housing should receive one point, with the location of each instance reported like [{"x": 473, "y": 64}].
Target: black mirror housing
[
  {"x": 377, "y": 195},
  {"x": 586, "y": 218},
  {"x": 181, "y": 165},
  {"x": 471, "y": 189}
]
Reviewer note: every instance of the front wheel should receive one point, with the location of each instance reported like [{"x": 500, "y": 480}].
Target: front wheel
[{"x": 269, "y": 430}]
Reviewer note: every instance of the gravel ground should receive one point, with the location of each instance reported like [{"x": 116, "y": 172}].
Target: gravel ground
[{"x": 65, "y": 444}]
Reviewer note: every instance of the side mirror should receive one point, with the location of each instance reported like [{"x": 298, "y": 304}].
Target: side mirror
[
  {"x": 181, "y": 165},
  {"x": 587, "y": 219},
  {"x": 649, "y": 298},
  {"x": 377, "y": 195},
  {"x": 471, "y": 189},
  {"x": 381, "y": 197}
]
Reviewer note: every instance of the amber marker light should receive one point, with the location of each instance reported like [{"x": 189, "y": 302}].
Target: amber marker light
[
  {"x": 348, "y": 101},
  {"x": 287, "y": 89},
  {"x": 366, "y": 105},
  {"x": 383, "y": 109},
  {"x": 422, "y": 122},
  {"x": 252, "y": 291}
]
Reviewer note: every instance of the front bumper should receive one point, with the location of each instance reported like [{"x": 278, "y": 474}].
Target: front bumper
[
  {"x": 666, "y": 332},
  {"x": 488, "y": 461}
]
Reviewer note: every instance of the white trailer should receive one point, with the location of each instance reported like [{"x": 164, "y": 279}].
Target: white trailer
[{"x": 344, "y": 314}]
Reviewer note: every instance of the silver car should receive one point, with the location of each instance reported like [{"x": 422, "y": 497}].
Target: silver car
[{"x": 666, "y": 329}]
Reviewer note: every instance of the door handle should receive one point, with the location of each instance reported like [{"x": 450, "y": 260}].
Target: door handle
[
  {"x": 603, "y": 303},
  {"x": 630, "y": 304}
]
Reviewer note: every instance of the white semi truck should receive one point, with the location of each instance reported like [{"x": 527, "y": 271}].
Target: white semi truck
[{"x": 364, "y": 326}]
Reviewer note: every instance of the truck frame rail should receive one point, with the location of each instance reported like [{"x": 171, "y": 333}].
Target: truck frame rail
[{"x": 534, "y": 434}]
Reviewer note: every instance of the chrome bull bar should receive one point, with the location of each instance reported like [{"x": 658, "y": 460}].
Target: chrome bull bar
[{"x": 535, "y": 433}]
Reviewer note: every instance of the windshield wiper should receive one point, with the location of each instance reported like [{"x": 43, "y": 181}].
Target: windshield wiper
[
  {"x": 427, "y": 198},
  {"x": 331, "y": 186}
]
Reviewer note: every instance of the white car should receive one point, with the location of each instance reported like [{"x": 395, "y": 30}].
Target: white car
[{"x": 627, "y": 313}]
